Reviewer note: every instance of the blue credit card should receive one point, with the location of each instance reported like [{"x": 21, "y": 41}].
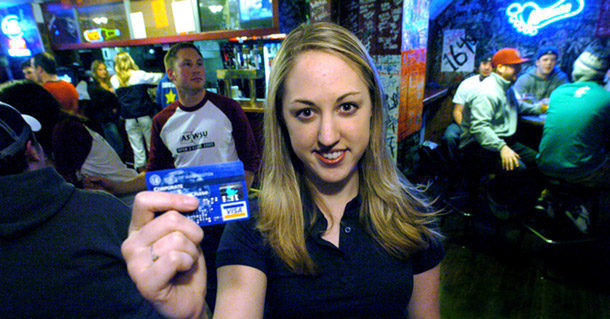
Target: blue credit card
[{"x": 221, "y": 190}]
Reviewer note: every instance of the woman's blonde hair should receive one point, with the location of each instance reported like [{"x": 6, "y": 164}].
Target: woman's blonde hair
[
  {"x": 392, "y": 211},
  {"x": 123, "y": 65}
]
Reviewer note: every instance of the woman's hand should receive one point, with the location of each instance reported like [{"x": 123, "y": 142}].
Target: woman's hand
[{"x": 163, "y": 255}]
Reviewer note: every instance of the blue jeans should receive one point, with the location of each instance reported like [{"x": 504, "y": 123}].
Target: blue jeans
[
  {"x": 113, "y": 137},
  {"x": 450, "y": 143}
]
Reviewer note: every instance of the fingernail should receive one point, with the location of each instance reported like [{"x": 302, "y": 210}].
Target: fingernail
[{"x": 191, "y": 200}]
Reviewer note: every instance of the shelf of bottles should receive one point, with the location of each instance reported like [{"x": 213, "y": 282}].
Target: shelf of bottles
[
  {"x": 247, "y": 65},
  {"x": 76, "y": 24}
]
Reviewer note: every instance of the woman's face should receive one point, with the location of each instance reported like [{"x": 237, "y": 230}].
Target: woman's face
[
  {"x": 101, "y": 71},
  {"x": 327, "y": 110}
]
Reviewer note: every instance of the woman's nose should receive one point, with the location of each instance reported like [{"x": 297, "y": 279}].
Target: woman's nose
[{"x": 328, "y": 133}]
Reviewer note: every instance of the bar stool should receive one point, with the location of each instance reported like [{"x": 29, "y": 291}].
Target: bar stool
[{"x": 566, "y": 198}]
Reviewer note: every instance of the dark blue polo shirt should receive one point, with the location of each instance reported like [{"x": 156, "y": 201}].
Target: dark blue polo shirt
[{"x": 357, "y": 280}]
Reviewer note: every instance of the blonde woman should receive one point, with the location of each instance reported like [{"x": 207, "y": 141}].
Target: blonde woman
[
  {"x": 131, "y": 86},
  {"x": 337, "y": 231}
]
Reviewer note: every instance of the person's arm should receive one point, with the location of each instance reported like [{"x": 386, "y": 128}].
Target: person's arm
[
  {"x": 457, "y": 113},
  {"x": 114, "y": 82},
  {"x": 481, "y": 114},
  {"x": 163, "y": 256},
  {"x": 150, "y": 77},
  {"x": 525, "y": 107},
  {"x": 241, "y": 292},
  {"x": 249, "y": 178},
  {"x": 424, "y": 301},
  {"x": 134, "y": 185}
]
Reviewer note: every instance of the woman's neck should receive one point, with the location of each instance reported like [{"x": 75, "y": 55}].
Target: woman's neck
[{"x": 335, "y": 196}]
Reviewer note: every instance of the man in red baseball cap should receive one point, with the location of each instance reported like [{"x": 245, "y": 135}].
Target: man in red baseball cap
[{"x": 489, "y": 122}]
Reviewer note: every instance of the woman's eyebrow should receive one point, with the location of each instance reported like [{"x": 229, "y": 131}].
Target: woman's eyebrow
[
  {"x": 339, "y": 99},
  {"x": 348, "y": 94}
]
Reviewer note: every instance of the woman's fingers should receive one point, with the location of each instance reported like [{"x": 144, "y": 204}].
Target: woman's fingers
[{"x": 146, "y": 204}]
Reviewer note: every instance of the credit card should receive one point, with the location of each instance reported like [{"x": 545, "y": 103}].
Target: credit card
[{"x": 221, "y": 190}]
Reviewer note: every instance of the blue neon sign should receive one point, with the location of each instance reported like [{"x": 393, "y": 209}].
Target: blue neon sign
[
  {"x": 528, "y": 18},
  {"x": 11, "y": 27},
  {"x": 16, "y": 43}
]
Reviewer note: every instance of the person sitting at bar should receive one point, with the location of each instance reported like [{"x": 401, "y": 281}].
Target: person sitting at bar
[
  {"x": 76, "y": 149},
  {"x": 60, "y": 246},
  {"x": 488, "y": 143},
  {"x": 131, "y": 86},
  {"x": 45, "y": 70},
  {"x": 337, "y": 232},
  {"x": 451, "y": 137},
  {"x": 539, "y": 81},
  {"x": 575, "y": 141},
  {"x": 28, "y": 70},
  {"x": 575, "y": 145}
]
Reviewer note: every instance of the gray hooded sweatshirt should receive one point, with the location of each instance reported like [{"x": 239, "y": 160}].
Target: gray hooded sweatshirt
[{"x": 540, "y": 88}]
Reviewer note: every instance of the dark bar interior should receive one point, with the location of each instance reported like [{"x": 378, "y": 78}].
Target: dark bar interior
[{"x": 498, "y": 112}]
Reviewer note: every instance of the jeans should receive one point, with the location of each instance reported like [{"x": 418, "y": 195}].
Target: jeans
[
  {"x": 138, "y": 133},
  {"x": 450, "y": 143},
  {"x": 113, "y": 137},
  {"x": 522, "y": 184}
]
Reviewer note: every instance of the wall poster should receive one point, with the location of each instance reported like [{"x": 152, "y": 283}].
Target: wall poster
[{"x": 458, "y": 51}]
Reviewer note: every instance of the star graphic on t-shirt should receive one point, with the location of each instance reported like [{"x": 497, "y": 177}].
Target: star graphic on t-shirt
[{"x": 170, "y": 97}]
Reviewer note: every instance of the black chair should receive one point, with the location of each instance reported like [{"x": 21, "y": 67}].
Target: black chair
[
  {"x": 567, "y": 201},
  {"x": 557, "y": 229}
]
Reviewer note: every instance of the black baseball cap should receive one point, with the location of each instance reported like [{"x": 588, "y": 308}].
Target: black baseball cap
[
  {"x": 15, "y": 130},
  {"x": 486, "y": 57}
]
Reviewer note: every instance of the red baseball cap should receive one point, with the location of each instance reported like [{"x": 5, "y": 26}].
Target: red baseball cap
[{"x": 507, "y": 56}]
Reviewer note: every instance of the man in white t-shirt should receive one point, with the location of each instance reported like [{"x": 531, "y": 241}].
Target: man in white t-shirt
[{"x": 451, "y": 138}]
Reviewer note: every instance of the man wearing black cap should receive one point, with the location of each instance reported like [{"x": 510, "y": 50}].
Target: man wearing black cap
[
  {"x": 538, "y": 81},
  {"x": 451, "y": 138},
  {"x": 488, "y": 143},
  {"x": 60, "y": 246}
]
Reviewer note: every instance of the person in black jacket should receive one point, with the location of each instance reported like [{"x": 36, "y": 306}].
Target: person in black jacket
[
  {"x": 103, "y": 106},
  {"x": 60, "y": 246},
  {"x": 131, "y": 86}
]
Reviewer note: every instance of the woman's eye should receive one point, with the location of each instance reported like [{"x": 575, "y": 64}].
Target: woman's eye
[
  {"x": 303, "y": 114},
  {"x": 348, "y": 108}
]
